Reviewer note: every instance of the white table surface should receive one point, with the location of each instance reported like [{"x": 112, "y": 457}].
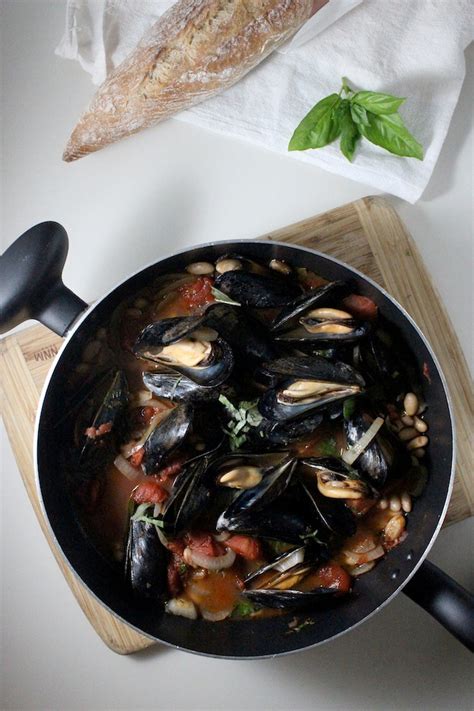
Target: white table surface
[{"x": 164, "y": 189}]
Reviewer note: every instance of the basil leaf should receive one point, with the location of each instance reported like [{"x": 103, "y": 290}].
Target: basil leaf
[
  {"x": 349, "y": 135},
  {"x": 223, "y": 298},
  {"x": 319, "y": 127},
  {"x": 377, "y": 102},
  {"x": 390, "y": 133},
  {"x": 359, "y": 115}
]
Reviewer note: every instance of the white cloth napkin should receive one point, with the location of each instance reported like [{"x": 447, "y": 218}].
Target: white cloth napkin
[{"x": 411, "y": 48}]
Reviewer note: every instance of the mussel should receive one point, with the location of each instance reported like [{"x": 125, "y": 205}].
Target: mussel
[
  {"x": 187, "y": 346},
  {"x": 335, "y": 479},
  {"x": 243, "y": 332},
  {"x": 259, "y": 291},
  {"x": 189, "y": 497},
  {"x": 312, "y": 383},
  {"x": 322, "y": 296},
  {"x": 179, "y": 388},
  {"x": 166, "y": 436},
  {"x": 378, "y": 458},
  {"x": 280, "y": 434},
  {"x": 285, "y": 583},
  {"x": 146, "y": 558}
]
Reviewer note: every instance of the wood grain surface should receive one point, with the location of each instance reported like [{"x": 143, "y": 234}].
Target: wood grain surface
[{"x": 366, "y": 234}]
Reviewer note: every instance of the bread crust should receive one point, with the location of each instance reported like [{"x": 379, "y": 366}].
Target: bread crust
[{"x": 196, "y": 49}]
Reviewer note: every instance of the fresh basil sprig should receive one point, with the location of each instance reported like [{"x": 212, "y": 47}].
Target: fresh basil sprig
[{"x": 369, "y": 114}]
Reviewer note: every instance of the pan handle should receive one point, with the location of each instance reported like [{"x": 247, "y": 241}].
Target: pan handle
[
  {"x": 31, "y": 284},
  {"x": 446, "y": 600}
]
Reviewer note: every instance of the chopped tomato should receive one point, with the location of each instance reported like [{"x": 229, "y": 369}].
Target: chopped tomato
[
  {"x": 137, "y": 457},
  {"x": 249, "y": 548},
  {"x": 361, "y": 307},
  {"x": 426, "y": 372},
  {"x": 197, "y": 293},
  {"x": 93, "y": 432},
  {"x": 332, "y": 575},
  {"x": 204, "y": 543},
  {"x": 169, "y": 472},
  {"x": 177, "y": 548},
  {"x": 150, "y": 492},
  {"x": 146, "y": 414}
]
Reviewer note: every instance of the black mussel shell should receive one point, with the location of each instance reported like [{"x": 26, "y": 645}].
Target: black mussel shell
[
  {"x": 331, "y": 516},
  {"x": 167, "y": 436},
  {"x": 301, "y": 335},
  {"x": 290, "y": 599},
  {"x": 243, "y": 332},
  {"x": 311, "y": 368},
  {"x": 146, "y": 561},
  {"x": 257, "y": 290},
  {"x": 177, "y": 387},
  {"x": 322, "y": 296},
  {"x": 378, "y": 459},
  {"x": 189, "y": 497},
  {"x": 275, "y": 480},
  {"x": 270, "y": 433},
  {"x": 279, "y": 521}
]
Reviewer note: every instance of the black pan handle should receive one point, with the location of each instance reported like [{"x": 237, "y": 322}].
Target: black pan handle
[
  {"x": 445, "y": 599},
  {"x": 31, "y": 284}
]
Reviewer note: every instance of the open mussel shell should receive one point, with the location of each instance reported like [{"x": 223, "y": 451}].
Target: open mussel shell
[
  {"x": 179, "y": 388},
  {"x": 331, "y": 518},
  {"x": 274, "y": 480},
  {"x": 259, "y": 291},
  {"x": 335, "y": 479},
  {"x": 313, "y": 383},
  {"x": 186, "y": 345},
  {"x": 321, "y": 296},
  {"x": 316, "y": 332},
  {"x": 190, "y": 496},
  {"x": 145, "y": 561},
  {"x": 281, "y": 434},
  {"x": 167, "y": 436}
]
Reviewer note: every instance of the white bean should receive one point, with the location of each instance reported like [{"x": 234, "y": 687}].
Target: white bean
[
  {"x": 410, "y": 404},
  {"x": 200, "y": 268},
  {"x": 140, "y": 303},
  {"x": 83, "y": 368},
  {"x": 228, "y": 265},
  {"x": 408, "y": 421},
  {"x": 102, "y": 334},
  {"x": 91, "y": 351},
  {"x": 407, "y": 433},
  {"x": 406, "y": 502},
  {"x": 279, "y": 266},
  {"x": 395, "y": 503},
  {"x": 420, "y": 425},
  {"x": 419, "y": 453},
  {"x": 418, "y": 442},
  {"x": 382, "y": 504},
  {"x": 133, "y": 313}
]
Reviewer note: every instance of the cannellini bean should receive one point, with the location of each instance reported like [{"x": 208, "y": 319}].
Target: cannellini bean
[
  {"x": 395, "y": 503},
  {"x": 420, "y": 425},
  {"x": 410, "y": 404},
  {"x": 91, "y": 351},
  {"x": 228, "y": 265},
  {"x": 199, "y": 268},
  {"x": 406, "y": 502},
  {"x": 102, "y": 334},
  {"x": 382, "y": 504},
  {"x": 417, "y": 442},
  {"x": 407, "y": 420},
  {"x": 181, "y": 607},
  {"x": 419, "y": 453},
  {"x": 140, "y": 303},
  {"x": 394, "y": 528},
  {"x": 280, "y": 266},
  {"x": 407, "y": 433}
]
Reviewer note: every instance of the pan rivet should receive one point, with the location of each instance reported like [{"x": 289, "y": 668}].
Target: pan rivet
[
  {"x": 410, "y": 555},
  {"x": 394, "y": 574}
]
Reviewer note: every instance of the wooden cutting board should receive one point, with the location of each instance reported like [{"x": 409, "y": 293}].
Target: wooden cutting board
[{"x": 368, "y": 235}]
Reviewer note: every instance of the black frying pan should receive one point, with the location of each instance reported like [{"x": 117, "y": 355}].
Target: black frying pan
[{"x": 31, "y": 287}]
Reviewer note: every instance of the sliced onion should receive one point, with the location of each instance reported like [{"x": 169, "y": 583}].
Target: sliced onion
[
  {"x": 199, "y": 560},
  {"x": 362, "y": 568},
  {"x": 182, "y": 607},
  {"x": 125, "y": 468},
  {"x": 350, "y": 455},
  {"x": 289, "y": 561},
  {"x": 221, "y": 537},
  {"x": 359, "y": 559}
]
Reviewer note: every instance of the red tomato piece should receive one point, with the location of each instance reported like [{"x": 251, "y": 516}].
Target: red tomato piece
[
  {"x": 332, "y": 575},
  {"x": 198, "y": 292},
  {"x": 177, "y": 548},
  {"x": 361, "y": 307},
  {"x": 204, "y": 543},
  {"x": 245, "y": 546},
  {"x": 93, "y": 432},
  {"x": 175, "y": 584},
  {"x": 150, "y": 492}
]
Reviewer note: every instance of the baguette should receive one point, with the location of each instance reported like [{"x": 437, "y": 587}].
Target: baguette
[{"x": 195, "y": 50}]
